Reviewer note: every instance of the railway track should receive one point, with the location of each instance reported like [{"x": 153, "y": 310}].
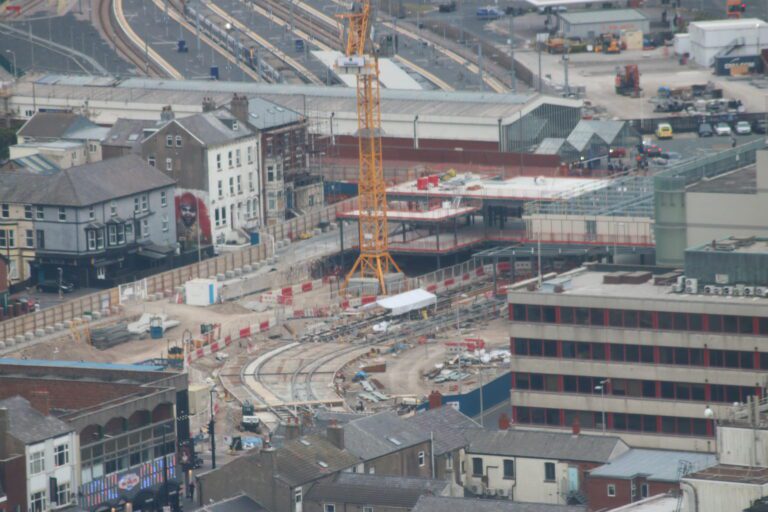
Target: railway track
[{"x": 123, "y": 45}]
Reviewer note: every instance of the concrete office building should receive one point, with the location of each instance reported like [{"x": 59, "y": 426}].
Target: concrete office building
[{"x": 636, "y": 359}]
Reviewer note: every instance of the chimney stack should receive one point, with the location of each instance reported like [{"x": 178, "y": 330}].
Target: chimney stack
[
  {"x": 335, "y": 434},
  {"x": 435, "y": 400},
  {"x": 292, "y": 429},
  {"x": 576, "y": 426},
  {"x": 239, "y": 107},
  {"x": 167, "y": 113},
  {"x": 41, "y": 401},
  {"x": 504, "y": 422},
  {"x": 208, "y": 104}
]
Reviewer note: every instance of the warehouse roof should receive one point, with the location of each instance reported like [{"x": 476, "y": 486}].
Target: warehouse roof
[
  {"x": 28, "y": 425},
  {"x": 604, "y": 16},
  {"x": 732, "y": 24},
  {"x": 375, "y": 490},
  {"x": 85, "y": 184},
  {"x": 658, "y": 465},
  {"x": 546, "y": 445}
]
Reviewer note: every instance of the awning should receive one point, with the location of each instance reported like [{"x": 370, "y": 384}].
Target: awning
[
  {"x": 408, "y": 301},
  {"x": 155, "y": 251}
]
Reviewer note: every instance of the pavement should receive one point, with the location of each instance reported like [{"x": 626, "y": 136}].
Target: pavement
[{"x": 47, "y": 300}]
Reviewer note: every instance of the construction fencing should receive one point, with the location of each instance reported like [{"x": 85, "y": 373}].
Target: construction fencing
[{"x": 25, "y": 327}]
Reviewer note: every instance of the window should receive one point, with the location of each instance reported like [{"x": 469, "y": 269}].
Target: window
[
  {"x": 169, "y": 164},
  {"x": 27, "y": 211},
  {"x": 239, "y": 185},
  {"x": 549, "y": 471},
  {"x": 40, "y": 212},
  {"x": 611, "y": 490},
  {"x": 90, "y": 236},
  {"x": 121, "y": 234},
  {"x": 151, "y": 160},
  {"x": 145, "y": 202},
  {"x": 421, "y": 459},
  {"x": 329, "y": 507},
  {"x": 91, "y": 213},
  {"x": 250, "y": 181},
  {"x": 62, "y": 214},
  {"x": 7, "y": 238},
  {"x": 38, "y": 502},
  {"x": 509, "y": 468},
  {"x": 218, "y": 161},
  {"x": 30, "y": 238},
  {"x": 36, "y": 462},
  {"x": 112, "y": 234},
  {"x": 230, "y": 160},
  {"x": 237, "y": 158},
  {"x": 217, "y": 217},
  {"x": 270, "y": 174},
  {"x": 6, "y": 210},
  {"x": 63, "y": 493},
  {"x": 99, "y": 238},
  {"x": 40, "y": 239},
  {"x": 145, "y": 228},
  {"x": 297, "y": 495},
  {"x": 477, "y": 466},
  {"x": 231, "y": 186},
  {"x": 92, "y": 147},
  {"x": 165, "y": 222},
  {"x": 249, "y": 153},
  {"x": 220, "y": 187},
  {"x": 367, "y": 509},
  {"x": 179, "y": 142},
  {"x": 61, "y": 455},
  {"x": 169, "y": 141},
  {"x": 449, "y": 461},
  {"x": 643, "y": 490},
  {"x": 163, "y": 198}
]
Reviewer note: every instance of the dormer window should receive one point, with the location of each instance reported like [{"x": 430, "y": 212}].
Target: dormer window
[{"x": 234, "y": 126}]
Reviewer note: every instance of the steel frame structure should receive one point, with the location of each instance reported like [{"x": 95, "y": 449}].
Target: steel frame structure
[{"x": 374, "y": 259}]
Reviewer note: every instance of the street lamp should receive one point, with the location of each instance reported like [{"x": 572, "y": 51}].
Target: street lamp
[
  {"x": 15, "y": 70},
  {"x": 601, "y": 389},
  {"x": 165, "y": 429},
  {"x": 212, "y": 432},
  {"x": 61, "y": 281}
]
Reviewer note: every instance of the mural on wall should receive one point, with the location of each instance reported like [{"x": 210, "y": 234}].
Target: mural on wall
[{"x": 193, "y": 223}]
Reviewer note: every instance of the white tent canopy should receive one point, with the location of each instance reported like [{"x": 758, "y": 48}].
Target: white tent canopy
[{"x": 408, "y": 301}]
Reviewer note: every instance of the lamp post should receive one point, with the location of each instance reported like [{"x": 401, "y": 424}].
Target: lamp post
[
  {"x": 61, "y": 280},
  {"x": 212, "y": 432},
  {"x": 15, "y": 69},
  {"x": 601, "y": 389}
]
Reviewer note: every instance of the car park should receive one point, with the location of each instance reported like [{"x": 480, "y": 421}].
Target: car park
[
  {"x": 759, "y": 126},
  {"x": 705, "y": 130},
  {"x": 664, "y": 131}
]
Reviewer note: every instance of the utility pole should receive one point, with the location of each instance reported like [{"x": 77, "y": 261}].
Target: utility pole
[{"x": 212, "y": 433}]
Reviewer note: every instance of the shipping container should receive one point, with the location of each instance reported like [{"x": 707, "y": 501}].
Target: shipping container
[{"x": 738, "y": 65}]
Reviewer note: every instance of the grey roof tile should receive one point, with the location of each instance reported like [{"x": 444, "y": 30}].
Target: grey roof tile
[
  {"x": 375, "y": 490},
  {"x": 381, "y": 434},
  {"x": 449, "y": 427},
  {"x": 445, "y": 504},
  {"x": 240, "y": 503},
  {"x": 264, "y": 114},
  {"x": 52, "y": 124},
  {"x": 129, "y": 132},
  {"x": 85, "y": 184},
  {"x": 211, "y": 127},
  {"x": 29, "y": 425},
  {"x": 309, "y": 457},
  {"x": 545, "y": 445}
]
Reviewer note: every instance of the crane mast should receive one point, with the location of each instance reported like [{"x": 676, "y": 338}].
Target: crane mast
[{"x": 360, "y": 58}]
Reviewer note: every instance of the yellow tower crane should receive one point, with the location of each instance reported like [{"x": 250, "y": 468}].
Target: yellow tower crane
[{"x": 360, "y": 58}]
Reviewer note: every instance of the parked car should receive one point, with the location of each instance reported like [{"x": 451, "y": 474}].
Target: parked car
[
  {"x": 652, "y": 151},
  {"x": 53, "y": 285},
  {"x": 705, "y": 130},
  {"x": 723, "y": 129},
  {"x": 664, "y": 131},
  {"x": 759, "y": 126},
  {"x": 743, "y": 128}
]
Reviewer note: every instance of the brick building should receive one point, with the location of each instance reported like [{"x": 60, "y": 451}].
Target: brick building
[
  {"x": 128, "y": 423},
  {"x": 639, "y": 474},
  {"x": 633, "y": 351}
]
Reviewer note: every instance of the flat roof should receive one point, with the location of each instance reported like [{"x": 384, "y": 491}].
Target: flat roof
[
  {"x": 81, "y": 364},
  {"x": 391, "y": 76},
  {"x": 658, "y": 503},
  {"x": 731, "y": 473},
  {"x": 589, "y": 283},
  {"x": 729, "y": 24},
  {"x": 435, "y": 215},
  {"x": 603, "y": 16},
  {"x": 734, "y": 244},
  {"x": 658, "y": 465},
  {"x": 478, "y": 186},
  {"x": 740, "y": 181}
]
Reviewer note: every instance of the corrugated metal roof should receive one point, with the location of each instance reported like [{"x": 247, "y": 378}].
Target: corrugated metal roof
[
  {"x": 550, "y": 146},
  {"x": 661, "y": 465},
  {"x": 604, "y": 16}
]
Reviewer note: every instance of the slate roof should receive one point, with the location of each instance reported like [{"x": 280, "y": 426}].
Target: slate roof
[
  {"x": 85, "y": 184},
  {"x": 264, "y": 114},
  {"x": 129, "y": 133},
  {"x": 658, "y": 465},
  {"x": 54, "y": 125},
  {"x": 444, "y": 504},
  {"x": 545, "y": 445},
  {"x": 36, "y": 163},
  {"x": 240, "y": 503},
  {"x": 381, "y": 434},
  {"x": 375, "y": 490},
  {"x": 448, "y": 426},
  {"x": 211, "y": 128},
  {"x": 299, "y": 461},
  {"x": 30, "y": 426}
]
